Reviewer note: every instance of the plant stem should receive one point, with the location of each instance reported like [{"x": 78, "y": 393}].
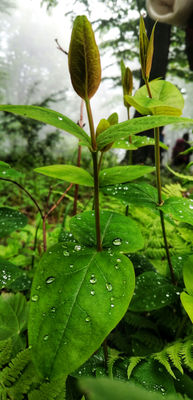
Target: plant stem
[
  {"x": 81, "y": 124},
  {"x": 26, "y": 191},
  {"x": 96, "y": 201},
  {"x": 160, "y": 202},
  {"x": 91, "y": 124},
  {"x": 96, "y": 176}
]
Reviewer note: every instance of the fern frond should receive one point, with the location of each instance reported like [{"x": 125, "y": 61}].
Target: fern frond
[
  {"x": 174, "y": 189},
  {"x": 187, "y": 353},
  {"x": 136, "y": 320},
  {"x": 133, "y": 362},
  {"x": 23, "y": 384},
  {"x": 49, "y": 391},
  {"x": 162, "y": 357},
  {"x": 113, "y": 356},
  {"x": 174, "y": 353},
  {"x": 10, "y": 374},
  {"x": 6, "y": 347}
]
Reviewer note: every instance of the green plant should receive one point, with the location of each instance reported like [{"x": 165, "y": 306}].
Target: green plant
[{"x": 83, "y": 299}]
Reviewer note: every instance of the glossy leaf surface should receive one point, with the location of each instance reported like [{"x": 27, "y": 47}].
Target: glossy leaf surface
[
  {"x": 166, "y": 99},
  {"x": 68, "y": 173},
  {"x": 11, "y": 220},
  {"x": 49, "y": 117},
  {"x": 142, "y": 195},
  {"x": 7, "y": 172},
  {"x": 73, "y": 293},
  {"x": 137, "y": 142},
  {"x": 137, "y": 125},
  {"x": 179, "y": 208},
  {"x": 152, "y": 292},
  {"x": 111, "y": 176},
  {"x": 12, "y": 277},
  {"x": 117, "y": 231},
  {"x": 84, "y": 59}
]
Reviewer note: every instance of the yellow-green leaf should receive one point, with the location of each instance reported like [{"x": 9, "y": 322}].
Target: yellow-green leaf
[
  {"x": 150, "y": 51},
  {"x": 84, "y": 59}
]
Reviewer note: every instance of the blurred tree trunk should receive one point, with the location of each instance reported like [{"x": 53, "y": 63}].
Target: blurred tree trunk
[{"x": 159, "y": 69}]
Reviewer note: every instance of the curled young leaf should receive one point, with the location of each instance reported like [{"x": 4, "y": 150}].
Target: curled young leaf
[{"x": 84, "y": 59}]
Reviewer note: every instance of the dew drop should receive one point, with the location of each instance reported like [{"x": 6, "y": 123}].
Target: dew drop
[
  {"x": 109, "y": 287},
  {"x": 87, "y": 319},
  {"x": 66, "y": 253},
  {"x": 93, "y": 280},
  {"x": 118, "y": 260},
  {"x": 53, "y": 309},
  {"x": 46, "y": 337},
  {"x": 92, "y": 292},
  {"x": 50, "y": 279},
  {"x": 117, "y": 242},
  {"x": 35, "y": 297},
  {"x": 116, "y": 266},
  {"x": 71, "y": 266},
  {"x": 38, "y": 287},
  {"x": 112, "y": 305},
  {"x": 60, "y": 118},
  {"x": 77, "y": 247}
]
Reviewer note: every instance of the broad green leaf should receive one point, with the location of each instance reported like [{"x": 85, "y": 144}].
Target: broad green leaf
[
  {"x": 13, "y": 318},
  {"x": 68, "y": 173},
  {"x": 49, "y": 117},
  {"x": 142, "y": 195},
  {"x": 179, "y": 208},
  {"x": 137, "y": 142},
  {"x": 7, "y": 172},
  {"x": 188, "y": 275},
  {"x": 111, "y": 176},
  {"x": 166, "y": 99},
  {"x": 108, "y": 389},
  {"x": 181, "y": 176},
  {"x": 137, "y": 125},
  {"x": 78, "y": 297},
  {"x": 12, "y": 277},
  {"x": 11, "y": 220},
  {"x": 118, "y": 232},
  {"x": 187, "y": 302},
  {"x": 84, "y": 59},
  {"x": 152, "y": 292}
]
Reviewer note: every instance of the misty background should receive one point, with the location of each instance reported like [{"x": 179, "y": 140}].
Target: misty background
[{"x": 34, "y": 69}]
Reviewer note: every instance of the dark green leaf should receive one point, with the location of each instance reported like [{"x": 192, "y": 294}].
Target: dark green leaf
[
  {"x": 49, "y": 117},
  {"x": 11, "y": 220},
  {"x": 111, "y": 176},
  {"x": 68, "y": 173},
  {"x": 152, "y": 292},
  {"x": 179, "y": 208},
  {"x": 12, "y": 277},
  {"x": 117, "y": 231},
  {"x": 84, "y": 59},
  {"x": 142, "y": 195},
  {"x": 78, "y": 297},
  {"x": 137, "y": 142},
  {"x": 137, "y": 125}
]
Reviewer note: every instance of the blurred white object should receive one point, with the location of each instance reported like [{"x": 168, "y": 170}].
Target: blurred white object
[{"x": 174, "y": 12}]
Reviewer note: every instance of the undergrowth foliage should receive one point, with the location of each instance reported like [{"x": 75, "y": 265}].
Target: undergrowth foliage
[{"x": 107, "y": 292}]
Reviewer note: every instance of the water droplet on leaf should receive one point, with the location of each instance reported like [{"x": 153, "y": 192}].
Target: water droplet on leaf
[
  {"x": 117, "y": 242},
  {"x": 50, "y": 279},
  {"x": 109, "y": 287},
  {"x": 35, "y": 297}
]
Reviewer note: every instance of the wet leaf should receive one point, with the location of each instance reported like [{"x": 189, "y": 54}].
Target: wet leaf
[
  {"x": 7, "y": 172},
  {"x": 137, "y": 125},
  {"x": 118, "y": 233},
  {"x": 137, "y": 142},
  {"x": 12, "y": 277},
  {"x": 74, "y": 290},
  {"x": 49, "y": 117},
  {"x": 111, "y": 176},
  {"x": 11, "y": 220},
  {"x": 84, "y": 59},
  {"x": 179, "y": 208},
  {"x": 187, "y": 302},
  {"x": 152, "y": 292},
  {"x": 188, "y": 274},
  {"x": 68, "y": 173}
]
